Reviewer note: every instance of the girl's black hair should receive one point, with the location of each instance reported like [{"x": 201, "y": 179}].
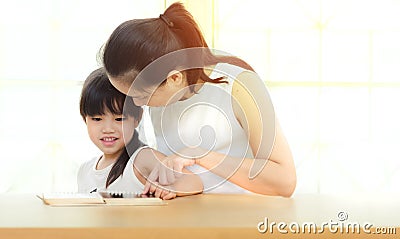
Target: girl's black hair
[
  {"x": 136, "y": 43},
  {"x": 98, "y": 96}
]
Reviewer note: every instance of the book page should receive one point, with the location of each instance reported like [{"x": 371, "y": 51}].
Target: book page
[
  {"x": 65, "y": 199},
  {"x": 99, "y": 198}
]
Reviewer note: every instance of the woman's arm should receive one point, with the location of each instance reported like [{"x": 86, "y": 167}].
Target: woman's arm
[
  {"x": 277, "y": 175},
  {"x": 272, "y": 172},
  {"x": 148, "y": 161}
]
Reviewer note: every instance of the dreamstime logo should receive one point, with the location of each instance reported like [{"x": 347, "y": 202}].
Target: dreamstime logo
[
  {"x": 341, "y": 225},
  {"x": 207, "y": 121},
  {"x": 342, "y": 216}
]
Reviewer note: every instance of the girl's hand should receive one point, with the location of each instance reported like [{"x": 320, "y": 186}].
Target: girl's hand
[{"x": 165, "y": 193}]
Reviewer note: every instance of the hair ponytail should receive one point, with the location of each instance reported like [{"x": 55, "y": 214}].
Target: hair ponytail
[
  {"x": 189, "y": 33},
  {"x": 184, "y": 26}
]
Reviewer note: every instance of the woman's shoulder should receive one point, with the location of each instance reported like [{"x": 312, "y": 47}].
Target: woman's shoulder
[
  {"x": 249, "y": 80},
  {"x": 229, "y": 70}
]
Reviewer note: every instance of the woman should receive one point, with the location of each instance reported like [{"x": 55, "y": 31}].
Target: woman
[{"x": 212, "y": 109}]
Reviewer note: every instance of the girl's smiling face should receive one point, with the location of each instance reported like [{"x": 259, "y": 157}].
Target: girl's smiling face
[{"x": 110, "y": 132}]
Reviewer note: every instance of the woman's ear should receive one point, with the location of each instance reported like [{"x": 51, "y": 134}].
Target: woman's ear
[{"x": 175, "y": 78}]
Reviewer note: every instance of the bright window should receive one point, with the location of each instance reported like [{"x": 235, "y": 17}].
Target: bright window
[{"x": 332, "y": 71}]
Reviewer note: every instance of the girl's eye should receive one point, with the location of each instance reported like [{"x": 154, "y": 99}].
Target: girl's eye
[
  {"x": 120, "y": 119},
  {"x": 96, "y": 118}
]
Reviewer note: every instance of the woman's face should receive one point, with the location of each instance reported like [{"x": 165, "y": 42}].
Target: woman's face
[{"x": 169, "y": 92}]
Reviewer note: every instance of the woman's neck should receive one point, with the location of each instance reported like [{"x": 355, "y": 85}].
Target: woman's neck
[{"x": 199, "y": 83}]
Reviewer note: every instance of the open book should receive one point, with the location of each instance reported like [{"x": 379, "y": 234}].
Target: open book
[{"x": 99, "y": 198}]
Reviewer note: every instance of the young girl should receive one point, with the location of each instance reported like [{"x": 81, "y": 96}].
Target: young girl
[
  {"x": 111, "y": 118},
  {"x": 213, "y": 110}
]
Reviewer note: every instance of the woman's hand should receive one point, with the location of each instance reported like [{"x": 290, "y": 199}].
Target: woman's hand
[
  {"x": 168, "y": 170},
  {"x": 150, "y": 166}
]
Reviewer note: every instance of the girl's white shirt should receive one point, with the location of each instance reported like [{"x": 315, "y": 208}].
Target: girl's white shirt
[{"x": 89, "y": 178}]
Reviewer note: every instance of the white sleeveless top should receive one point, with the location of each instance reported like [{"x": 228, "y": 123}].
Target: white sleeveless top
[
  {"x": 207, "y": 120},
  {"x": 90, "y": 179}
]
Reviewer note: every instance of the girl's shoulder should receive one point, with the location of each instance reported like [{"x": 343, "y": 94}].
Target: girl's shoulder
[
  {"x": 88, "y": 166},
  {"x": 90, "y": 163}
]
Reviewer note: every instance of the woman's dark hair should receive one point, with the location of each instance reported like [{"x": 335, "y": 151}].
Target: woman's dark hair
[
  {"x": 98, "y": 96},
  {"x": 136, "y": 43}
]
